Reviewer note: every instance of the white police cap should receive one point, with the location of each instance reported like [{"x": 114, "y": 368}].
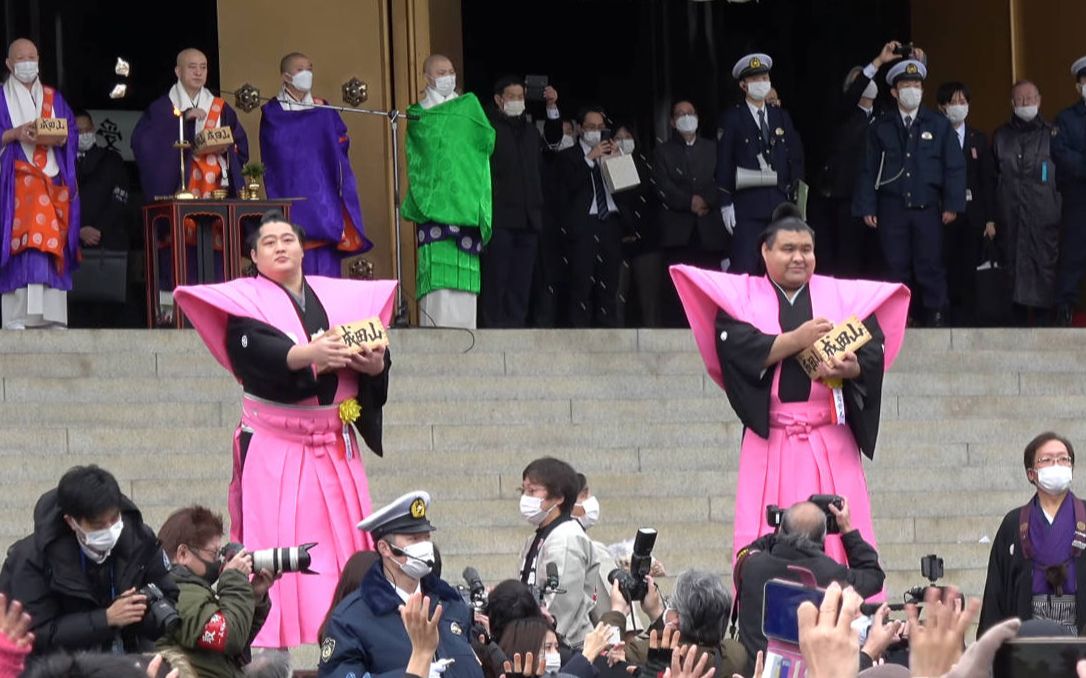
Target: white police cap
[
  {"x": 752, "y": 64},
  {"x": 1078, "y": 67},
  {"x": 405, "y": 515},
  {"x": 909, "y": 69}
]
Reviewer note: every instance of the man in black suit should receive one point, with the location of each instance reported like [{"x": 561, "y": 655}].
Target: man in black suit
[
  {"x": 846, "y": 248},
  {"x": 103, "y": 192},
  {"x": 691, "y": 228},
  {"x": 963, "y": 237},
  {"x": 509, "y": 258},
  {"x": 592, "y": 223}
]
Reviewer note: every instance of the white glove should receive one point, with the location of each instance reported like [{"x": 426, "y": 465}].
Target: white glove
[{"x": 728, "y": 215}]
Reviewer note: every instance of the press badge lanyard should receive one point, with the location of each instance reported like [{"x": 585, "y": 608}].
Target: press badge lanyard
[{"x": 118, "y": 643}]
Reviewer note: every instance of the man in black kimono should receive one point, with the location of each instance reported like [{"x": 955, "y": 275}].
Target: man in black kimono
[
  {"x": 1036, "y": 570},
  {"x": 309, "y": 397},
  {"x": 802, "y": 437}
]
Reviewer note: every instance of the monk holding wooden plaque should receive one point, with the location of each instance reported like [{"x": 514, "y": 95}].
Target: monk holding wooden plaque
[{"x": 214, "y": 141}]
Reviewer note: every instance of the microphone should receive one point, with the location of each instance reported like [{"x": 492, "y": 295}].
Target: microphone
[
  {"x": 474, "y": 581},
  {"x": 552, "y": 576},
  {"x": 397, "y": 551}
]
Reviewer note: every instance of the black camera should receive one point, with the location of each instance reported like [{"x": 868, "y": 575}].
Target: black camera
[
  {"x": 633, "y": 584},
  {"x": 475, "y": 593},
  {"x": 276, "y": 560},
  {"x": 904, "y": 50},
  {"x": 824, "y": 501},
  {"x": 931, "y": 568},
  {"x": 534, "y": 86},
  {"x": 160, "y": 609},
  {"x": 774, "y": 516}
]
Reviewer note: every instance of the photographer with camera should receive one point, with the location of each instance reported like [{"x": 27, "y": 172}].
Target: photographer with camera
[
  {"x": 800, "y": 542},
  {"x": 92, "y": 576},
  {"x": 558, "y": 558},
  {"x": 220, "y": 610},
  {"x": 702, "y": 604}
]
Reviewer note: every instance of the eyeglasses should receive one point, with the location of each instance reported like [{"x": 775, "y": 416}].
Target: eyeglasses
[
  {"x": 200, "y": 551},
  {"x": 1042, "y": 462}
]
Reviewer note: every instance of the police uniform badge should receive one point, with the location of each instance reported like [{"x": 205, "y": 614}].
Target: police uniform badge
[
  {"x": 779, "y": 131},
  {"x": 911, "y": 69},
  {"x": 456, "y": 629},
  {"x": 327, "y": 648},
  {"x": 755, "y": 62},
  {"x": 418, "y": 509},
  {"x": 926, "y": 136}
]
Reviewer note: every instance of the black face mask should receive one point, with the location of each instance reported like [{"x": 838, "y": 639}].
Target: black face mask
[{"x": 212, "y": 569}]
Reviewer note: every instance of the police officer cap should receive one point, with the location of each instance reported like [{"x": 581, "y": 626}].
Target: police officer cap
[
  {"x": 406, "y": 515},
  {"x": 1078, "y": 69},
  {"x": 752, "y": 64},
  {"x": 910, "y": 69}
]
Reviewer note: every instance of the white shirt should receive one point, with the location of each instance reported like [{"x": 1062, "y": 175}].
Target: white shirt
[
  {"x": 404, "y": 595},
  {"x": 289, "y": 103},
  {"x": 754, "y": 108},
  {"x": 960, "y": 131},
  {"x": 434, "y": 99},
  {"x": 911, "y": 115},
  {"x": 611, "y": 207}
]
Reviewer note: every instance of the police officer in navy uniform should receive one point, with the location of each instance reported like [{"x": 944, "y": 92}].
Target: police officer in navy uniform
[
  {"x": 754, "y": 136},
  {"x": 366, "y": 634},
  {"x": 1069, "y": 154},
  {"x": 912, "y": 184}
]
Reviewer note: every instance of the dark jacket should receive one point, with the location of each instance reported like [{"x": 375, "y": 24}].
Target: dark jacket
[
  {"x": 577, "y": 193},
  {"x": 217, "y": 625},
  {"x": 837, "y": 177},
  {"x": 1026, "y": 206},
  {"x": 1008, "y": 590},
  {"x": 978, "y": 198},
  {"x": 1069, "y": 152},
  {"x": 682, "y": 171},
  {"x": 739, "y": 146},
  {"x": 769, "y": 558},
  {"x": 49, "y": 574},
  {"x": 103, "y": 196},
  {"x": 515, "y": 171},
  {"x": 366, "y": 633},
  {"x": 924, "y": 167}
]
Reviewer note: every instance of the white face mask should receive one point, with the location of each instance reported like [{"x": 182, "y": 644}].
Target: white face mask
[
  {"x": 302, "y": 81},
  {"x": 591, "y": 515},
  {"x": 97, "y": 545},
  {"x": 531, "y": 509},
  {"x": 626, "y": 145},
  {"x": 566, "y": 142},
  {"x": 871, "y": 91},
  {"x": 514, "y": 108},
  {"x": 1054, "y": 479},
  {"x": 759, "y": 90},
  {"x": 86, "y": 141},
  {"x": 26, "y": 72},
  {"x": 420, "y": 559},
  {"x": 957, "y": 113},
  {"x": 1026, "y": 113},
  {"x": 554, "y": 662},
  {"x": 908, "y": 98},
  {"x": 687, "y": 124},
  {"x": 592, "y": 138},
  {"x": 445, "y": 84}
]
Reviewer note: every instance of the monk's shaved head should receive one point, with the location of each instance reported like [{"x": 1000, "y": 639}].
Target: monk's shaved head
[
  {"x": 22, "y": 49},
  {"x": 288, "y": 64},
  {"x": 189, "y": 55},
  {"x": 437, "y": 65}
]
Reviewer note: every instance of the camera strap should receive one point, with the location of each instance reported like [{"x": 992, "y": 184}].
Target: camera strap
[
  {"x": 1078, "y": 542},
  {"x": 737, "y": 579}
]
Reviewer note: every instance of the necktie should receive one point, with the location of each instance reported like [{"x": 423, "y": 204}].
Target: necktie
[
  {"x": 908, "y": 122},
  {"x": 601, "y": 192},
  {"x": 763, "y": 126}
]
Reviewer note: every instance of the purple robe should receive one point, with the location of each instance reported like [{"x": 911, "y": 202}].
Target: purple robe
[
  {"x": 153, "y": 140},
  {"x": 305, "y": 155},
  {"x": 33, "y": 266}
]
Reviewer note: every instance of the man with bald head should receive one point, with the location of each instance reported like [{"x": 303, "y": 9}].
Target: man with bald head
[
  {"x": 449, "y": 142},
  {"x": 800, "y": 542},
  {"x": 39, "y": 201},
  {"x": 153, "y": 142},
  {"x": 305, "y": 151}
]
